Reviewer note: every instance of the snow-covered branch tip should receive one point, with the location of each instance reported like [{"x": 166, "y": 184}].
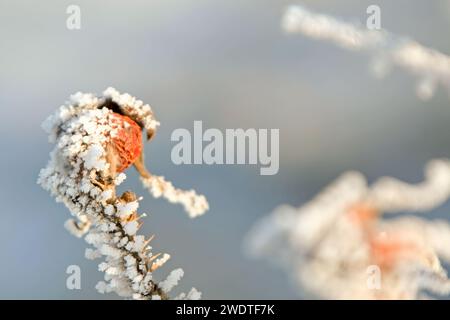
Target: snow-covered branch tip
[
  {"x": 430, "y": 66},
  {"x": 331, "y": 243},
  {"x": 96, "y": 139}
]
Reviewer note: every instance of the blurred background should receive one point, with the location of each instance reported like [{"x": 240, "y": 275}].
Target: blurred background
[{"x": 229, "y": 64}]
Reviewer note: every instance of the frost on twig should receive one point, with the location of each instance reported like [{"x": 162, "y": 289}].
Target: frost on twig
[
  {"x": 158, "y": 186},
  {"x": 329, "y": 244},
  {"x": 96, "y": 139},
  {"x": 430, "y": 66}
]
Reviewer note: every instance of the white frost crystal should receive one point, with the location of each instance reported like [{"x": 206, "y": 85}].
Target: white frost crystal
[
  {"x": 126, "y": 209},
  {"x": 81, "y": 175},
  {"x": 136, "y": 108}
]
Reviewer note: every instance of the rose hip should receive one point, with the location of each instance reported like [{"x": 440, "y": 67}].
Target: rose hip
[{"x": 126, "y": 141}]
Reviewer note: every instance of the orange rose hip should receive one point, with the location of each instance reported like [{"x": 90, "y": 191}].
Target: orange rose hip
[{"x": 126, "y": 141}]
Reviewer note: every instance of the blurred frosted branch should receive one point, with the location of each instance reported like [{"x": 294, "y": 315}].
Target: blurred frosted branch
[
  {"x": 430, "y": 66},
  {"x": 328, "y": 244},
  {"x": 392, "y": 195}
]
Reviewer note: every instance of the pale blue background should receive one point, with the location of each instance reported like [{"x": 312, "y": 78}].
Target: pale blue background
[{"x": 226, "y": 63}]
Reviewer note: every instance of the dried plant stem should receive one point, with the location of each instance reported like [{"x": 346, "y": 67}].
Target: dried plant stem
[{"x": 140, "y": 167}]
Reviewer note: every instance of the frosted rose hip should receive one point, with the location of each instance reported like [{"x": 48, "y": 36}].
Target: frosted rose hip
[{"x": 126, "y": 141}]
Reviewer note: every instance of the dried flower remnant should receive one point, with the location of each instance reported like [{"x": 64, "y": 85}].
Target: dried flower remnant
[
  {"x": 430, "y": 66},
  {"x": 328, "y": 244},
  {"x": 96, "y": 139}
]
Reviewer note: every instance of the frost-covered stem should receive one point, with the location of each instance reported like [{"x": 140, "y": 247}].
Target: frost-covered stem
[
  {"x": 129, "y": 197},
  {"x": 194, "y": 204},
  {"x": 96, "y": 139}
]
